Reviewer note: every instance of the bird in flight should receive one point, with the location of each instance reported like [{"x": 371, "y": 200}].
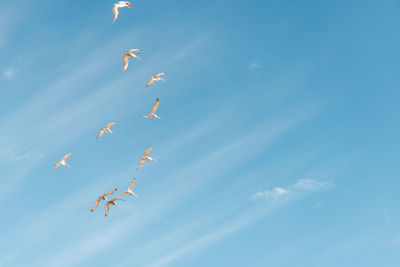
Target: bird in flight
[
  {"x": 110, "y": 202},
  {"x": 63, "y": 161},
  {"x": 152, "y": 113},
  {"x": 106, "y": 130},
  {"x": 156, "y": 78},
  {"x": 118, "y": 5},
  {"x": 145, "y": 158},
  {"x": 129, "y": 191},
  {"x": 127, "y": 55},
  {"x": 102, "y": 197}
]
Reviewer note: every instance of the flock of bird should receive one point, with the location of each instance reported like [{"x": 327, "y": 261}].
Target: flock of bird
[{"x": 131, "y": 53}]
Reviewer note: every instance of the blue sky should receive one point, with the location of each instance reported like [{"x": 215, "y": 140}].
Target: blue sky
[{"x": 278, "y": 143}]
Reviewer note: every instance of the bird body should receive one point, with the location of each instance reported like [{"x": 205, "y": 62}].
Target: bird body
[
  {"x": 155, "y": 78},
  {"x": 106, "y": 129},
  {"x": 118, "y": 5},
  {"x": 147, "y": 158},
  {"x": 152, "y": 113}
]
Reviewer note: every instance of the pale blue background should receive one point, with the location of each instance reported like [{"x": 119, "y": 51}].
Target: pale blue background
[{"x": 258, "y": 96}]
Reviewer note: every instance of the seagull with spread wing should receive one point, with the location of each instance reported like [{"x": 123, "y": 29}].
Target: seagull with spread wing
[
  {"x": 152, "y": 113},
  {"x": 106, "y": 130},
  {"x": 156, "y": 77},
  {"x": 127, "y": 55},
  {"x": 145, "y": 158},
  {"x": 118, "y": 5},
  {"x": 102, "y": 197},
  {"x": 129, "y": 191},
  {"x": 110, "y": 202},
  {"x": 63, "y": 161}
]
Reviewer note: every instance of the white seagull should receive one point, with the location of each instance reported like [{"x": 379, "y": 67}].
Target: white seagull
[
  {"x": 110, "y": 202},
  {"x": 106, "y": 130},
  {"x": 127, "y": 55},
  {"x": 152, "y": 113},
  {"x": 156, "y": 78},
  {"x": 118, "y": 5},
  {"x": 129, "y": 191},
  {"x": 102, "y": 197},
  {"x": 63, "y": 161},
  {"x": 145, "y": 158}
]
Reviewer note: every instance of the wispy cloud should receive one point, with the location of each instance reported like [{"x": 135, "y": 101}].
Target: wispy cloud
[
  {"x": 274, "y": 194},
  {"x": 254, "y": 65},
  {"x": 312, "y": 185},
  {"x": 9, "y": 73},
  {"x": 302, "y": 185}
]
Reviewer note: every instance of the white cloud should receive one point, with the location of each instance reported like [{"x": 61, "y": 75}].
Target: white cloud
[
  {"x": 312, "y": 185},
  {"x": 9, "y": 74},
  {"x": 274, "y": 194},
  {"x": 302, "y": 185}
]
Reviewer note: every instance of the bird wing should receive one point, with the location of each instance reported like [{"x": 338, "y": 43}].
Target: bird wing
[
  {"x": 110, "y": 192},
  {"x": 123, "y": 194},
  {"x": 115, "y": 199},
  {"x": 57, "y": 164},
  {"x": 132, "y": 184},
  {"x": 100, "y": 134},
  {"x": 125, "y": 59},
  {"x": 160, "y": 74},
  {"x": 155, "y": 107},
  {"x": 115, "y": 12},
  {"x": 141, "y": 162},
  {"x": 67, "y": 156},
  {"x": 107, "y": 208},
  {"x": 146, "y": 153},
  {"x": 151, "y": 81},
  {"x": 96, "y": 204},
  {"x": 110, "y": 124},
  {"x": 130, "y": 51}
]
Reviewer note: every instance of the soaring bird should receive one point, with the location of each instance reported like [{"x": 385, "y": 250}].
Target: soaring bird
[
  {"x": 102, "y": 197},
  {"x": 63, "y": 161},
  {"x": 110, "y": 202},
  {"x": 118, "y": 5},
  {"x": 127, "y": 55},
  {"x": 129, "y": 191},
  {"x": 152, "y": 113},
  {"x": 106, "y": 130},
  {"x": 156, "y": 78},
  {"x": 145, "y": 158}
]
